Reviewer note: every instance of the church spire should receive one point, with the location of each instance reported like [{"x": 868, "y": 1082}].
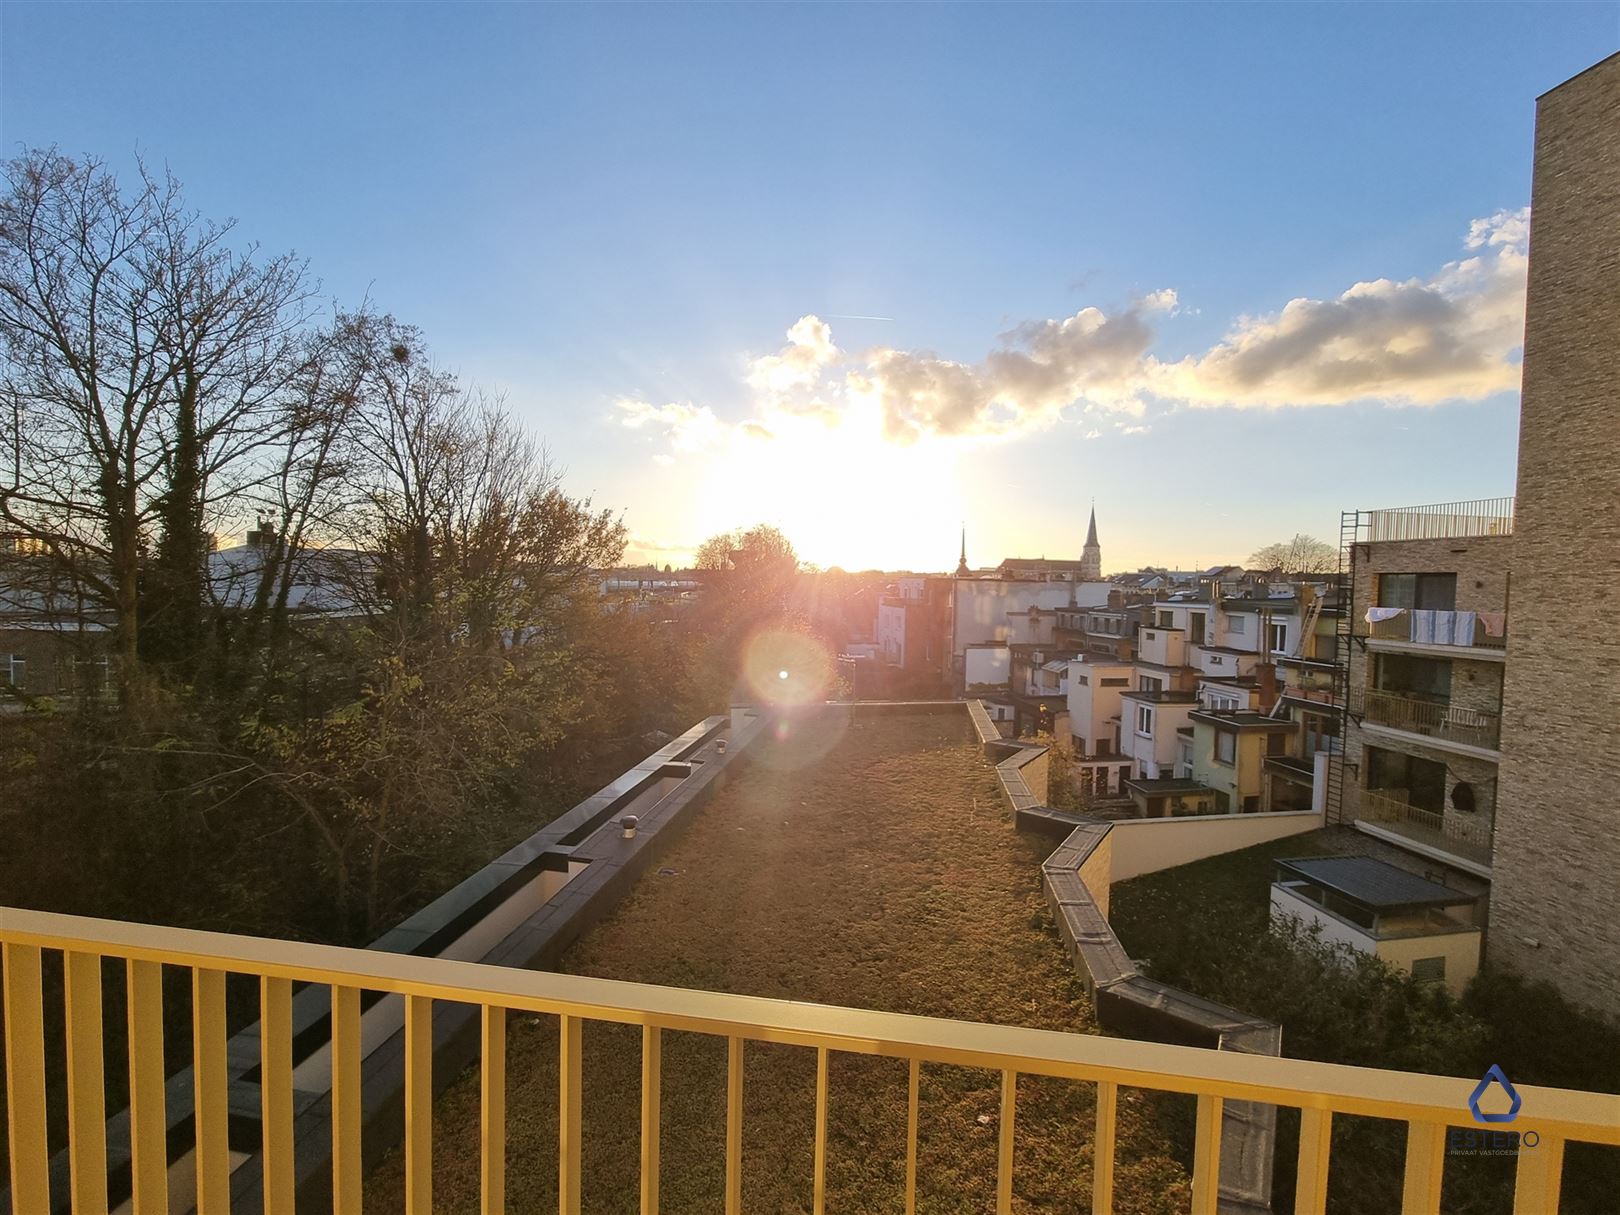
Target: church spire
[
  {"x": 1091, "y": 555},
  {"x": 961, "y": 564}
]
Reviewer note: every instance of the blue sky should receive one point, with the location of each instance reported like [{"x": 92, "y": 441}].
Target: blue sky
[{"x": 613, "y": 214}]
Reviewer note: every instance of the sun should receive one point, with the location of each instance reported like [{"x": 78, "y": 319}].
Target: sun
[{"x": 839, "y": 490}]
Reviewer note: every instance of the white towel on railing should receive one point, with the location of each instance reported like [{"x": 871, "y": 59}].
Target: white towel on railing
[
  {"x": 1462, "y": 628},
  {"x": 1376, "y": 614},
  {"x": 1423, "y": 626}
]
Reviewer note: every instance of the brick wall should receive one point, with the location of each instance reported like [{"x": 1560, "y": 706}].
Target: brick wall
[
  {"x": 1557, "y": 868},
  {"x": 1485, "y": 583}
]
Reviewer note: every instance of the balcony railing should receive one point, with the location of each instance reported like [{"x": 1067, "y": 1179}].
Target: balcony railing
[
  {"x": 1473, "y": 727},
  {"x": 1391, "y": 806},
  {"x": 1436, "y": 628},
  {"x": 1443, "y": 520},
  {"x": 1427, "y": 1104}
]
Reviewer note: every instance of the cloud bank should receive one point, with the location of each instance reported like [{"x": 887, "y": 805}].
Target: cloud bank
[{"x": 1455, "y": 335}]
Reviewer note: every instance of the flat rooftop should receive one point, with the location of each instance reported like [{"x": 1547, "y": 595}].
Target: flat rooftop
[
  {"x": 865, "y": 861},
  {"x": 1374, "y": 884}
]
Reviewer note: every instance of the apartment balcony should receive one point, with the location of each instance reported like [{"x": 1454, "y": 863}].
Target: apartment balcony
[
  {"x": 241, "y": 1136},
  {"x": 1478, "y": 635},
  {"x": 1435, "y": 720},
  {"x": 1469, "y": 836}
]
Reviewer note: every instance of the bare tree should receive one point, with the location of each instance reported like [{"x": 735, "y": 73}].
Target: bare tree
[
  {"x": 141, "y": 360},
  {"x": 1301, "y": 555}
]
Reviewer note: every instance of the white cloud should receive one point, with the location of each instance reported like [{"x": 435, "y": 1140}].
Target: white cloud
[
  {"x": 1040, "y": 369},
  {"x": 1455, "y": 335},
  {"x": 799, "y": 364},
  {"x": 688, "y": 427}
]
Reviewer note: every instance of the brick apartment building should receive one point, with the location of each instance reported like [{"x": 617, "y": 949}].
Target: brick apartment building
[
  {"x": 1556, "y": 888},
  {"x": 1482, "y": 739}
]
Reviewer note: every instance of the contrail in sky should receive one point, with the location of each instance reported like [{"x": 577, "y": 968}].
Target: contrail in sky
[{"x": 844, "y": 316}]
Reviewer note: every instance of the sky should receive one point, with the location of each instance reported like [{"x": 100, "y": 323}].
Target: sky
[{"x": 878, "y": 273}]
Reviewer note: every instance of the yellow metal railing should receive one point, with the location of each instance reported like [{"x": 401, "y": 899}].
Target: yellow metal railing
[{"x": 1428, "y": 1104}]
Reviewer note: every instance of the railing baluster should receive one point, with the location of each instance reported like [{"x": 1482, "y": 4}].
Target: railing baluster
[
  {"x": 569, "y": 1100},
  {"x": 87, "y": 1084},
  {"x": 1315, "y": 1145},
  {"x": 652, "y": 1098},
  {"x": 347, "y": 1111},
  {"x": 1004, "y": 1145},
  {"x": 492, "y": 1111},
  {"x": 734, "y": 1121},
  {"x": 211, "y": 1094},
  {"x": 23, "y": 995},
  {"x": 1425, "y": 1164},
  {"x": 148, "y": 1127},
  {"x": 1539, "y": 1178},
  {"x": 1207, "y": 1155},
  {"x": 913, "y": 1102},
  {"x": 819, "y": 1187},
  {"x": 276, "y": 1094},
  {"x": 418, "y": 1105},
  {"x": 1102, "y": 1148}
]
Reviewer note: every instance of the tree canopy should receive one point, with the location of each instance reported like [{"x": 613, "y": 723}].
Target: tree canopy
[{"x": 1301, "y": 555}]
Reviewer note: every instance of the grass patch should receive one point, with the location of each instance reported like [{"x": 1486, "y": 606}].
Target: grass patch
[{"x": 874, "y": 868}]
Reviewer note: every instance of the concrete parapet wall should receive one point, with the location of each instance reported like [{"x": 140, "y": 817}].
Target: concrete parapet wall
[
  {"x": 1147, "y": 845},
  {"x": 1077, "y": 877}
]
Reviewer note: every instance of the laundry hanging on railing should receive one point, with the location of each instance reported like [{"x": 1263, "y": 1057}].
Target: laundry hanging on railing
[
  {"x": 1376, "y": 614},
  {"x": 1458, "y": 628},
  {"x": 1495, "y": 623}
]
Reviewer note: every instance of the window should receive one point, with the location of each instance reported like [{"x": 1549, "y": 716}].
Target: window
[
  {"x": 1408, "y": 675},
  {"x": 1223, "y": 702},
  {"x": 1276, "y": 744},
  {"x": 1237, "y": 625},
  {"x": 1429, "y": 970},
  {"x": 1419, "y": 782},
  {"x": 13, "y": 670},
  {"x": 1195, "y": 627},
  {"x": 1149, "y": 683},
  {"x": 1083, "y": 680},
  {"x": 1166, "y": 620},
  {"x": 1144, "y": 719},
  {"x": 1277, "y": 638},
  {"x": 1225, "y": 747},
  {"x": 1120, "y": 682},
  {"x": 1251, "y": 804},
  {"x": 1423, "y": 592}
]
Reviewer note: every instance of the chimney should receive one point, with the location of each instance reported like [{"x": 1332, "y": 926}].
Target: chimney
[{"x": 1265, "y": 674}]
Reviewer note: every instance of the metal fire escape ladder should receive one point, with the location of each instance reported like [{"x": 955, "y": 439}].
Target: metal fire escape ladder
[{"x": 1350, "y": 524}]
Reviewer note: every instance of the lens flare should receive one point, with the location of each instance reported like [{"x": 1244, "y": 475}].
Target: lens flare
[{"x": 785, "y": 669}]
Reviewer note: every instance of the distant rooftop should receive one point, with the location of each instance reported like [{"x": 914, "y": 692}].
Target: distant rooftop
[{"x": 1243, "y": 719}]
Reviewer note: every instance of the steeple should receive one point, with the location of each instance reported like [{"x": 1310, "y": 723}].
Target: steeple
[
  {"x": 1091, "y": 555},
  {"x": 961, "y": 564}
]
